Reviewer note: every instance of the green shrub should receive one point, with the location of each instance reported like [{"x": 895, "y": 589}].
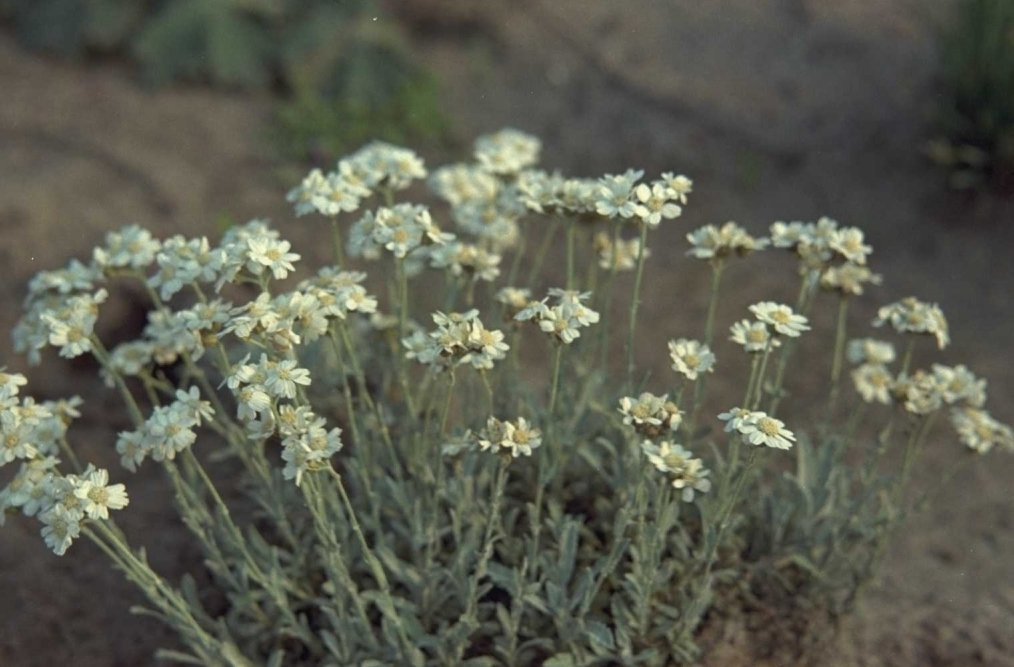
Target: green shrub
[
  {"x": 975, "y": 111},
  {"x": 413, "y": 498}
]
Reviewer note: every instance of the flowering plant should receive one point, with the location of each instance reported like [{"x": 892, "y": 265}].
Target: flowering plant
[{"x": 437, "y": 508}]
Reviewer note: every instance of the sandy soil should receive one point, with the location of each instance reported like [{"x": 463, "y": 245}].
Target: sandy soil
[{"x": 779, "y": 109}]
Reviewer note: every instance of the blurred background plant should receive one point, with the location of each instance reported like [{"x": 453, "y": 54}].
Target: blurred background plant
[
  {"x": 974, "y": 115},
  {"x": 345, "y": 77}
]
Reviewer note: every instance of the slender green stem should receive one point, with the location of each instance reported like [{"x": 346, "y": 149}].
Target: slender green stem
[
  {"x": 700, "y": 384},
  {"x": 607, "y": 308},
  {"x": 571, "y": 231},
  {"x": 376, "y": 567},
  {"x": 635, "y": 303},
  {"x": 540, "y": 256},
  {"x": 471, "y": 606},
  {"x": 839, "y": 352},
  {"x": 554, "y": 388},
  {"x": 336, "y": 241}
]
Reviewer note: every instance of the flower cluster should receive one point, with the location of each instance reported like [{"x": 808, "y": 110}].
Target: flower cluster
[
  {"x": 757, "y": 428},
  {"x": 565, "y": 319},
  {"x": 910, "y": 315},
  {"x": 356, "y": 177},
  {"x": 460, "y": 338},
  {"x": 307, "y": 444},
  {"x": 400, "y": 229},
  {"x": 716, "y": 243},
  {"x": 169, "y": 430},
  {"x": 31, "y": 433},
  {"x": 773, "y": 322},
  {"x": 515, "y": 438},
  {"x": 651, "y": 415},
  {"x": 258, "y": 387},
  {"x": 691, "y": 357},
  {"x": 688, "y": 474}
]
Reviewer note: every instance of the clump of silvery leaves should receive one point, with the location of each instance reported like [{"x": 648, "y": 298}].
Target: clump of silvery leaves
[{"x": 420, "y": 493}]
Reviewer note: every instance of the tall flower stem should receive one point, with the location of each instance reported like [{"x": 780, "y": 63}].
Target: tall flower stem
[
  {"x": 336, "y": 241},
  {"x": 700, "y": 385},
  {"x": 571, "y": 231},
  {"x": 839, "y": 352},
  {"x": 635, "y": 302}
]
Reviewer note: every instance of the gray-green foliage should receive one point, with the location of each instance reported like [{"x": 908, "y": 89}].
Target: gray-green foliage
[
  {"x": 431, "y": 538},
  {"x": 975, "y": 110}
]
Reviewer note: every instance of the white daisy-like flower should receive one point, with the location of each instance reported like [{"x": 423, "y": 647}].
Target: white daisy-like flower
[
  {"x": 760, "y": 429},
  {"x": 848, "y": 242},
  {"x": 980, "y": 432},
  {"x": 713, "y": 243},
  {"x": 131, "y": 247},
  {"x": 96, "y": 494},
  {"x": 754, "y": 336},
  {"x": 780, "y": 317},
  {"x": 873, "y": 382},
  {"x": 519, "y": 437},
  {"x": 693, "y": 477},
  {"x": 654, "y": 204},
  {"x": 960, "y": 384},
  {"x": 870, "y": 350},
  {"x": 281, "y": 377},
  {"x": 10, "y": 384},
  {"x": 271, "y": 254},
  {"x": 910, "y": 315},
  {"x": 615, "y": 195},
  {"x": 679, "y": 184},
  {"x": 666, "y": 456},
  {"x": 849, "y": 279},
  {"x": 691, "y": 357},
  {"x": 61, "y": 527},
  {"x": 921, "y": 392},
  {"x": 507, "y": 151}
]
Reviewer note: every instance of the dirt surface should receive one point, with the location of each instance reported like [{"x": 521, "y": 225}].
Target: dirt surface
[{"x": 777, "y": 109}]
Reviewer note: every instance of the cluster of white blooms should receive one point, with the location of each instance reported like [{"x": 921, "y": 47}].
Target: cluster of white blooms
[
  {"x": 356, "y": 177},
  {"x": 168, "y": 431},
  {"x": 30, "y": 430},
  {"x": 400, "y": 229},
  {"x": 621, "y": 196},
  {"x": 780, "y": 318},
  {"x": 467, "y": 259},
  {"x": 764, "y": 333},
  {"x": 63, "y": 321},
  {"x": 31, "y": 433},
  {"x": 258, "y": 387},
  {"x": 874, "y": 382},
  {"x": 651, "y": 415},
  {"x": 460, "y": 338},
  {"x": 818, "y": 244},
  {"x": 565, "y": 319},
  {"x": 870, "y": 351},
  {"x": 507, "y": 152},
  {"x": 307, "y": 444},
  {"x": 691, "y": 357},
  {"x": 619, "y": 256},
  {"x": 849, "y": 279},
  {"x": 754, "y": 336},
  {"x": 924, "y": 392},
  {"x": 979, "y": 431},
  {"x": 129, "y": 248},
  {"x": 688, "y": 474},
  {"x": 514, "y": 298},
  {"x": 517, "y": 437},
  {"x": 757, "y": 428},
  {"x": 910, "y": 315},
  {"x": 716, "y": 243}
]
